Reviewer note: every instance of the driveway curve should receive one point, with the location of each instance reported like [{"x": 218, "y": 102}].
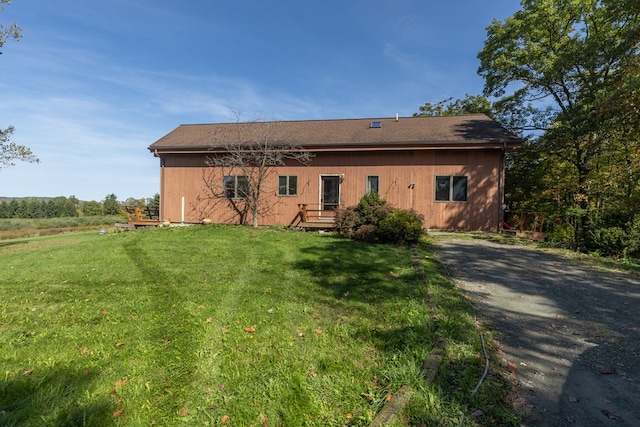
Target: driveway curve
[{"x": 570, "y": 332}]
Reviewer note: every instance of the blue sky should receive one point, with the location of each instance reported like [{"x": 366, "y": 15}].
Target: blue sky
[{"x": 93, "y": 83}]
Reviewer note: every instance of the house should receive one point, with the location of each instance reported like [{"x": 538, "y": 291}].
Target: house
[{"x": 450, "y": 169}]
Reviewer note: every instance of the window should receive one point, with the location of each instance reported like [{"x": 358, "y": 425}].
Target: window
[
  {"x": 287, "y": 185},
  {"x": 451, "y": 188},
  {"x": 235, "y": 187},
  {"x": 372, "y": 184}
]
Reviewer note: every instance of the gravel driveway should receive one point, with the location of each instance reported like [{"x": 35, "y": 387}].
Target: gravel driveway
[{"x": 570, "y": 332}]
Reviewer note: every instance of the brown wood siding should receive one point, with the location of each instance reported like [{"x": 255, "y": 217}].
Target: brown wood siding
[{"x": 184, "y": 176}]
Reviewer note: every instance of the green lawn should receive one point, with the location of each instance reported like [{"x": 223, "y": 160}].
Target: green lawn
[{"x": 229, "y": 325}]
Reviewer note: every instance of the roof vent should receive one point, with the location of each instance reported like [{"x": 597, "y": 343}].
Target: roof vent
[{"x": 375, "y": 125}]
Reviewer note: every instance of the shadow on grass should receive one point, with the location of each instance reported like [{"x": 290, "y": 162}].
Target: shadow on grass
[
  {"x": 12, "y": 242},
  {"x": 26, "y": 400},
  {"x": 172, "y": 329},
  {"x": 357, "y": 270}
]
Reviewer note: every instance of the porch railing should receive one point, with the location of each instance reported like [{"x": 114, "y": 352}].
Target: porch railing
[{"x": 313, "y": 216}]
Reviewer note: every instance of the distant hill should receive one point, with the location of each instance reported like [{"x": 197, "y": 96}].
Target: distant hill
[{"x": 8, "y": 199}]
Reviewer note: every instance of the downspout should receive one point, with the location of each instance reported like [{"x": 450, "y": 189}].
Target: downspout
[
  {"x": 161, "y": 207},
  {"x": 501, "y": 186}
]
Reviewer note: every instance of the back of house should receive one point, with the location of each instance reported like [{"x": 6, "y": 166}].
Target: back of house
[{"x": 449, "y": 169}]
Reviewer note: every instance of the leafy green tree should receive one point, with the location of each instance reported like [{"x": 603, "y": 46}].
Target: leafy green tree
[
  {"x": 154, "y": 202},
  {"x": 10, "y": 151},
  {"x": 471, "y": 104},
  {"x": 60, "y": 207},
  {"x": 92, "y": 208},
  {"x": 553, "y": 66},
  {"x": 111, "y": 205}
]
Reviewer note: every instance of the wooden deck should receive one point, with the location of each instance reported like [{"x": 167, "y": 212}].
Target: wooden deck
[
  {"x": 527, "y": 225},
  {"x": 314, "y": 219},
  {"x": 142, "y": 217}
]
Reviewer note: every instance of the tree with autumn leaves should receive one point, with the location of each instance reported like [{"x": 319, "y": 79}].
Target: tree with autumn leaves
[{"x": 566, "y": 72}]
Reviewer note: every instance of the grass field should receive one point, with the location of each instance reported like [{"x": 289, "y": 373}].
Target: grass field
[{"x": 229, "y": 325}]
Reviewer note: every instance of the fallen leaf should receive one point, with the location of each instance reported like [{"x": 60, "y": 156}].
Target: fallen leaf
[
  {"x": 264, "y": 420},
  {"x": 270, "y": 311},
  {"x": 184, "y": 413},
  {"x": 104, "y": 312},
  {"x": 84, "y": 351},
  {"x": 388, "y": 397},
  {"x": 85, "y": 371},
  {"x": 607, "y": 370},
  {"x": 225, "y": 330},
  {"x": 572, "y": 399},
  {"x": 224, "y": 419},
  {"x": 117, "y": 413},
  {"x": 122, "y": 382},
  {"x": 27, "y": 372},
  {"x": 612, "y": 416},
  {"x": 250, "y": 329},
  {"x": 118, "y": 344},
  {"x": 209, "y": 390},
  {"x": 208, "y": 320},
  {"x": 318, "y": 331},
  {"x": 511, "y": 367}
]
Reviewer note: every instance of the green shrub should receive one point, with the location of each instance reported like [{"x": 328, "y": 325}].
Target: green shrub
[
  {"x": 367, "y": 207},
  {"x": 400, "y": 226},
  {"x": 372, "y": 220},
  {"x": 347, "y": 221},
  {"x": 609, "y": 241},
  {"x": 365, "y": 233},
  {"x": 632, "y": 248}
]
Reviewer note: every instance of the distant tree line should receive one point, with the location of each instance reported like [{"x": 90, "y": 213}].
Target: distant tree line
[{"x": 59, "y": 207}]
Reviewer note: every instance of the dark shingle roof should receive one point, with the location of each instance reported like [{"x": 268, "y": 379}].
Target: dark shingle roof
[{"x": 474, "y": 130}]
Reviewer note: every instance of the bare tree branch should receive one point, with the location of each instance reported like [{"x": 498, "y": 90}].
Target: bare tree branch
[{"x": 244, "y": 156}]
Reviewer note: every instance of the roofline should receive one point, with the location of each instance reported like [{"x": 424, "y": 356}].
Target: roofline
[{"x": 344, "y": 148}]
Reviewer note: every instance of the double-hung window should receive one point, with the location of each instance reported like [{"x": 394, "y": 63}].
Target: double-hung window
[
  {"x": 451, "y": 188},
  {"x": 287, "y": 185},
  {"x": 235, "y": 186},
  {"x": 372, "y": 184}
]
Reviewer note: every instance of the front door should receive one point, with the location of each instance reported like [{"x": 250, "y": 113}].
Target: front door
[{"x": 330, "y": 192}]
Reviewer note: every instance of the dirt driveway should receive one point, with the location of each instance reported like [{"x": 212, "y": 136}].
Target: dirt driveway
[{"x": 569, "y": 331}]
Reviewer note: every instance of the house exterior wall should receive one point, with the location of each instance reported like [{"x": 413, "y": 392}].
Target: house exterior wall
[{"x": 184, "y": 177}]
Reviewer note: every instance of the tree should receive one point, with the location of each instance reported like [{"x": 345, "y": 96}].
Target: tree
[
  {"x": 154, "y": 202},
  {"x": 92, "y": 208},
  {"x": 111, "y": 205},
  {"x": 554, "y": 66},
  {"x": 10, "y": 151},
  {"x": 244, "y": 155},
  {"x": 471, "y": 104}
]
